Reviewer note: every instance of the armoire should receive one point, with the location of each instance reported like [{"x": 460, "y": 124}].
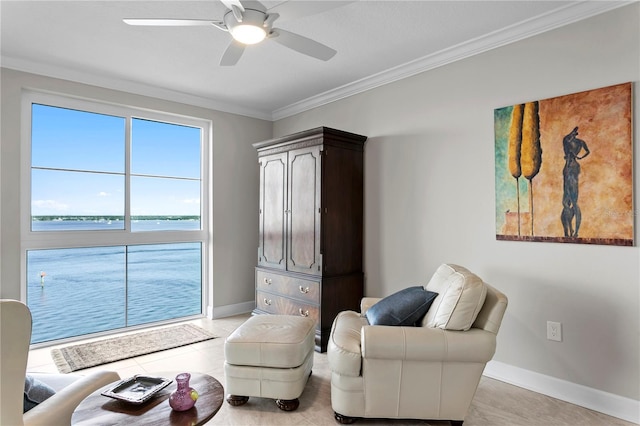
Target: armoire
[{"x": 310, "y": 247}]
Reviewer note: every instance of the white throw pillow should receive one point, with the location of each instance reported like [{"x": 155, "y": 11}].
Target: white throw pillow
[{"x": 461, "y": 295}]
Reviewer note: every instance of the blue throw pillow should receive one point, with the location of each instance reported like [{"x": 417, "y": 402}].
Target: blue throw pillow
[
  {"x": 405, "y": 307},
  {"x": 35, "y": 392}
]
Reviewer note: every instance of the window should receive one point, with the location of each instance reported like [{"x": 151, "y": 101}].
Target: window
[{"x": 115, "y": 223}]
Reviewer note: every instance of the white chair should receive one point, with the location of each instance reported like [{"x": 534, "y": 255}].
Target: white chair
[
  {"x": 71, "y": 389},
  {"x": 429, "y": 371}
]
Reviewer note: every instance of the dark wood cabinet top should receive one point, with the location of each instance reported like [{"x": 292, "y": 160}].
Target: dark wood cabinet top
[{"x": 319, "y": 135}]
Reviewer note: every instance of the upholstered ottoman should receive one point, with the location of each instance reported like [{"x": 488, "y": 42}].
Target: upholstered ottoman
[{"x": 269, "y": 356}]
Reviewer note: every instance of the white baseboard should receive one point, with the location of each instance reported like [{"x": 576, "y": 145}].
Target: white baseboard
[
  {"x": 613, "y": 405},
  {"x": 230, "y": 310}
]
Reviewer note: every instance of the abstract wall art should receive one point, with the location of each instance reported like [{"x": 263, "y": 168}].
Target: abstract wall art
[{"x": 563, "y": 169}]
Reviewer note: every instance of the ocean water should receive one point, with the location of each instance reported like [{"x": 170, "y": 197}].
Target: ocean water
[{"x": 78, "y": 291}]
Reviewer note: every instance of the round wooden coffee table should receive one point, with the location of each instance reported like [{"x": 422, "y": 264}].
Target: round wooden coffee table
[{"x": 97, "y": 409}]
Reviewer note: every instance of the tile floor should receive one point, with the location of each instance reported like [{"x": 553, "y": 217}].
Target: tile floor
[{"x": 495, "y": 404}]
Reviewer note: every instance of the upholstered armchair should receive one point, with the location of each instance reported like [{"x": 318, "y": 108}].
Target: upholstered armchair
[
  {"x": 429, "y": 370},
  {"x": 71, "y": 389}
]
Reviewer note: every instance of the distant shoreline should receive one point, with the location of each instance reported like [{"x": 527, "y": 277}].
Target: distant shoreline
[{"x": 58, "y": 218}]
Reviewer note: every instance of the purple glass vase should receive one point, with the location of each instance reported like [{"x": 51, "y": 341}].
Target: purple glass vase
[{"x": 184, "y": 397}]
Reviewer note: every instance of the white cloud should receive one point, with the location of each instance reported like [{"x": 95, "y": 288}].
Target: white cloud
[
  {"x": 191, "y": 201},
  {"x": 43, "y": 207},
  {"x": 103, "y": 194}
]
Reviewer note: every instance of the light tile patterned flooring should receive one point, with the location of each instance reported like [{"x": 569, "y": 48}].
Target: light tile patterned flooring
[{"x": 495, "y": 403}]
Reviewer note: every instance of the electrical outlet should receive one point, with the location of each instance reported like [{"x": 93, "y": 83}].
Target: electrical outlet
[{"x": 554, "y": 331}]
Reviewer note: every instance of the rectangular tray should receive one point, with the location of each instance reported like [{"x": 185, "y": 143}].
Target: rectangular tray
[{"x": 136, "y": 389}]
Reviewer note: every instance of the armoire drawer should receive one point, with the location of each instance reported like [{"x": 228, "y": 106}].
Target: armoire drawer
[
  {"x": 278, "y": 305},
  {"x": 297, "y": 288}
]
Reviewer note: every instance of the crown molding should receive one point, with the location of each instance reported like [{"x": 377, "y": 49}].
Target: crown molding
[
  {"x": 128, "y": 86},
  {"x": 559, "y": 17},
  {"x": 569, "y": 14}
]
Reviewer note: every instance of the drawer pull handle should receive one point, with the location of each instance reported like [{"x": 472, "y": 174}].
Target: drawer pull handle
[
  {"x": 267, "y": 281},
  {"x": 303, "y": 313},
  {"x": 304, "y": 290},
  {"x": 268, "y": 302}
]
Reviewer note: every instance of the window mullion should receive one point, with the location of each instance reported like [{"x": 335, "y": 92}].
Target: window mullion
[{"x": 127, "y": 175}]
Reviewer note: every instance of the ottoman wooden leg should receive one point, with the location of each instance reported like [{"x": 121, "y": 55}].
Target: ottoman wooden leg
[
  {"x": 287, "y": 404},
  {"x": 237, "y": 400}
]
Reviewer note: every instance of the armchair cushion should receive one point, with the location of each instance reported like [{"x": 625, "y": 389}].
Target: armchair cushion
[
  {"x": 403, "y": 308},
  {"x": 461, "y": 295},
  {"x": 368, "y": 302},
  {"x": 35, "y": 392}
]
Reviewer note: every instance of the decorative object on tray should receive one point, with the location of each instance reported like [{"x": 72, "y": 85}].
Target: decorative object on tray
[
  {"x": 137, "y": 389},
  {"x": 184, "y": 397}
]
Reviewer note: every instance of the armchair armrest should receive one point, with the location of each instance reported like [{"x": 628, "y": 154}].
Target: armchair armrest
[
  {"x": 427, "y": 344},
  {"x": 57, "y": 409}
]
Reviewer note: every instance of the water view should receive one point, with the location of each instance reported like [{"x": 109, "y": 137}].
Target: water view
[{"x": 77, "y": 291}]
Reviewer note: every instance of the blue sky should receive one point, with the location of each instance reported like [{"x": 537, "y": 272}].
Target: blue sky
[{"x": 87, "y": 151}]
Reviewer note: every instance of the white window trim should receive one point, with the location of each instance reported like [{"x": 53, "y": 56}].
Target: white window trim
[{"x": 30, "y": 240}]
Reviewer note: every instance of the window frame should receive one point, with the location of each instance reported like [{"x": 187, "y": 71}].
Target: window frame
[{"x": 34, "y": 240}]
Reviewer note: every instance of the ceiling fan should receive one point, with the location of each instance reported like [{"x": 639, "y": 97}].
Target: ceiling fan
[{"x": 249, "y": 22}]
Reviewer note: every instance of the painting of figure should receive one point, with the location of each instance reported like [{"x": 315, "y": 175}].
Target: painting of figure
[{"x": 563, "y": 168}]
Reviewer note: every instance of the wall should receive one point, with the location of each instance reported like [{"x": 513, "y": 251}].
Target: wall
[
  {"x": 429, "y": 199},
  {"x": 235, "y": 189}
]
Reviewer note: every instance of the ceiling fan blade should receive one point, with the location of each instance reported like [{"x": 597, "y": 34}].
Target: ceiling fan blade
[
  {"x": 230, "y": 3},
  {"x": 171, "y": 22},
  {"x": 302, "y": 44},
  {"x": 236, "y": 8},
  {"x": 271, "y": 18},
  {"x": 299, "y": 9},
  {"x": 232, "y": 55}
]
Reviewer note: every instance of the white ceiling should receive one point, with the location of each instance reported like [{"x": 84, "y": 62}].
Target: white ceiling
[{"x": 377, "y": 42}]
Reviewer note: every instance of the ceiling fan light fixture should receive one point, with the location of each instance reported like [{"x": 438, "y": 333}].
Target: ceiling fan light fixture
[{"x": 248, "y": 33}]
